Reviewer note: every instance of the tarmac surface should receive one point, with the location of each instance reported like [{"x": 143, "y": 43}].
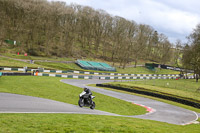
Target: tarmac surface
[
  {"x": 14, "y": 103},
  {"x": 162, "y": 111}
]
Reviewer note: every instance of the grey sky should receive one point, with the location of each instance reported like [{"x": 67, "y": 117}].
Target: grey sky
[{"x": 174, "y": 18}]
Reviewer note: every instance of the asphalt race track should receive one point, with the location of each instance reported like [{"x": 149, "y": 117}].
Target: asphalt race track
[
  {"x": 163, "y": 112},
  {"x": 14, "y": 103}
]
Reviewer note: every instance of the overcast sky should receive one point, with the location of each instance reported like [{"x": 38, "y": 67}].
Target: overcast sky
[{"x": 174, "y": 18}]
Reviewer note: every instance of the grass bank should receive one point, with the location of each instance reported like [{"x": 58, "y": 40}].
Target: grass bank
[
  {"x": 64, "y": 123},
  {"x": 60, "y": 66},
  {"x": 70, "y": 66},
  {"x": 183, "y": 88},
  {"x": 52, "y": 88},
  {"x": 28, "y": 57},
  {"x": 14, "y": 63},
  {"x": 143, "y": 70}
]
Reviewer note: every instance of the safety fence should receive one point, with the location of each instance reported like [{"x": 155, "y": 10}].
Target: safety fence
[
  {"x": 92, "y": 73},
  {"x": 64, "y": 76},
  {"x": 37, "y": 72},
  {"x": 103, "y": 76},
  {"x": 141, "y": 77}
]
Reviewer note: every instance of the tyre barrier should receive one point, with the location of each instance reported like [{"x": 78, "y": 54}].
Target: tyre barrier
[
  {"x": 195, "y": 104},
  {"x": 15, "y": 74}
]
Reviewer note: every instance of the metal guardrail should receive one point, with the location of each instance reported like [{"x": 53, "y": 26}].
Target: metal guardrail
[
  {"x": 93, "y": 73},
  {"x": 64, "y": 76},
  {"x": 112, "y": 76}
]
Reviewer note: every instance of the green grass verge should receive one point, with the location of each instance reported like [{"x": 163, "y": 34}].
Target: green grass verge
[
  {"x": 184, "y": 87},
  {"x": 14, "y": 63},
  {"x": 47, "y": 65},
  {"x": 150, "y": 97},
  {"x": 143, "y": 70},
  {"x": 36, "y": 57},
  {"x": 60, "y": 66},
  {"x": 52, "y": 88},
  {"x": 64, "y": 123}
]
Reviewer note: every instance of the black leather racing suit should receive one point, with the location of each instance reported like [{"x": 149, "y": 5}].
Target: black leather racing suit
[{"x": 88, "y": 94}]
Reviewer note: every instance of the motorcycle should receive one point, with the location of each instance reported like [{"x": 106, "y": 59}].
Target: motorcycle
[{"x": 83, "y": 101}]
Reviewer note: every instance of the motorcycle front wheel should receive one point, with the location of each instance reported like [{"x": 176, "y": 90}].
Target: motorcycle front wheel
[
  {"x": 93, "y": 105},
  {"x": 81, "y": 102}
]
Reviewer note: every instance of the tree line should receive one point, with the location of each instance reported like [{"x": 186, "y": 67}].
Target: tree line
[
  {"x": 46, "y": 28},
  {"x": 191, "y": 52}
]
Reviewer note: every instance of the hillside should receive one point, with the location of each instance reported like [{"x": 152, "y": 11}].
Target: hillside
[{"x": 43, "y": 28}]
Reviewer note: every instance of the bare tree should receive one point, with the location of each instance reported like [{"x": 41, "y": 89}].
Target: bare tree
[
  {"x": 177, "y": 52},
  {"x": 191, "y": 52},
  {"x": 142, "y": 39}
]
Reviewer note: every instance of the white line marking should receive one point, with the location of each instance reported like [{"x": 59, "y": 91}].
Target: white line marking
[{"x": 193, "y": 120}]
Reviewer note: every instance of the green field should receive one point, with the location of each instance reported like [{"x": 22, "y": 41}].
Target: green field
[
  {"x": 52, "y": 88},
  {"x": 65, "y": 123}
]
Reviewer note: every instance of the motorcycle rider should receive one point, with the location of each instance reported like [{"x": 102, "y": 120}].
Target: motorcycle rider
[{"x": 88, "y": 94}]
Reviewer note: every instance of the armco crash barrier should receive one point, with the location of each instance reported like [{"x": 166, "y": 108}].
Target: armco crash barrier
[
  {"x": 163, "y": 96},
  {"x": 110, "y": 75},
  {"x": 94, "y": 73},
  {"x": 124, "y": 78},
  {"x": 64, "y": 76},
  {"x": 40, "y": 74}
]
